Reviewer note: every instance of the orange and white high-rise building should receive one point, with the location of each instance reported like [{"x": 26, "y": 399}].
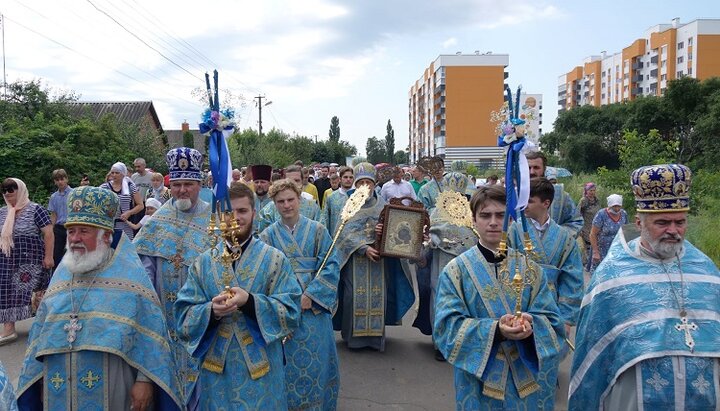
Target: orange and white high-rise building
[
  {"x": 450, "y": 109},
  {"x": 644, "y": 68}
]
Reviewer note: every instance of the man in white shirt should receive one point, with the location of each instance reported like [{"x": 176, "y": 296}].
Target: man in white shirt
[{"x": 397, "y": 187}]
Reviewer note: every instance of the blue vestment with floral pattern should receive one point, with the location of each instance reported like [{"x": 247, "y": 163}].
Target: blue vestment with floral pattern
[
  {"x": 169, "y": 243},
  {"x": 311, "y": 370},
  {"x": 491, "y": 373},
  {"x": 241, "y": 357},
  {"x": 630, "y": 321},
  {"x": 120, "y": 315}
]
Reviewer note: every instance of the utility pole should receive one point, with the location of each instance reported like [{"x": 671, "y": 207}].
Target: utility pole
[
  {"x": 260, "y": 106},
  {"x": 4, "y": 80}
]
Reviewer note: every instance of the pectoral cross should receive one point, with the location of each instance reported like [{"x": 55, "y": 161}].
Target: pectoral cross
[
  {"x": 72, "y": 328},
  {"x": 177, "y": 260},
  {"x": 686, "y": 327}
]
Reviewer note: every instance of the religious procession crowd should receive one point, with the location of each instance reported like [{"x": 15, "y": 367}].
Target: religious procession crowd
[{"x": 162, "y": 312}]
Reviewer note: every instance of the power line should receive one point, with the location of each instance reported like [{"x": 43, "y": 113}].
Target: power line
[
  {"x": 142, "y": 41},
  {"x": 88, "y": 57},
  {"x": 69, "y": 30}
]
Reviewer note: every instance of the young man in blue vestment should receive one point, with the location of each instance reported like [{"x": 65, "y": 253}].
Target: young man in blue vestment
[
  {"x": 556, "y": 251},
  {"x": 236, "y": 332},
  {"x": 648, "y": 335},
  {"x": 312, "y": 379},
  {"x": 501, "y": 362},
  {"x": 99, "y": 340},
  {"x": 563, "y": 210},
  {"x": 308, "y": 206},
  {"x": 336, "y": 201}
]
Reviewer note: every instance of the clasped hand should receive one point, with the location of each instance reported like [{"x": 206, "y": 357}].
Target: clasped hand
[
  {"x": 223, "y": 304},
  {"x": 513, "y": 328}
]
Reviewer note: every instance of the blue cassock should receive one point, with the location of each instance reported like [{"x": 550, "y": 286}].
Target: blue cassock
[
  {"x": 564, "y": 212},
  {"x": 121, "y": 315},
  {"x": 332, "y": 210},
  {"x": 628, "y": 318},
  {"x": 167, "y": 245},
  {"x": 242, "y": 359},
  {"x": 269, "y": 214},
  {"x": 311, "y": 372},
  {"x": 493, "y": 374},
  {"x": 560, "y": 259},
  {"x": 428, "y": 194}
]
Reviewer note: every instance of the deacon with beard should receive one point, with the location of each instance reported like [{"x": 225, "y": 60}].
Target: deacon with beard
[
  {"x": 99, "y": 340},
  {"x": 168, "y": 244},
  {"x": 649, "y": 327},
  {"x": 237, "y": 331},
  {"x": 262, "y": 174}
]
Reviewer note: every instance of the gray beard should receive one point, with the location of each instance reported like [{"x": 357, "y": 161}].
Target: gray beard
[
  {"x": 661, "y": 249},
  {"x": 78, "y": 263},
  {"x": 183, "y": 204}
]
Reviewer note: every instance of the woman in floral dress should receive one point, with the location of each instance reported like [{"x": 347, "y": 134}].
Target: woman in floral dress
[
  {"x": 605, "y": 226},
  {"x": 26, "y": 255}
]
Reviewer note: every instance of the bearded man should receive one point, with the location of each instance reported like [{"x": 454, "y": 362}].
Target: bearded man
[
  {"x": 647, "y": 337},
  {"x": 262, "y": 174},
  {"x": 169, "y": 243},
  {"x": 99, "y": 340}
]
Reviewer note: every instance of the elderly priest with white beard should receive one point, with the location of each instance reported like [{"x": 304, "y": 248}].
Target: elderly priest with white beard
[
  {"x": 649, "y": 330},
  {"x": 99, "y": 340}
]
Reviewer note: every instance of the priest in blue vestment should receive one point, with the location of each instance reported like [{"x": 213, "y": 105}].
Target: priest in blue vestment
[
  {"x": 435, "y": 168},
  {"x": 170, "y": 242},
  {"x": 240, "y": 300},
  {"x": 648, "y": 336},
  {"x": 262, "y": 175},
  {"x": 335, "y": 202},
  {"x": 556, "y": 251},
  {"x": 99, "y": 341},
  {"x": 312, "y": 379},
  {"x": 308, "y": 206},
  {"x": 374, "y": 291},
  {"x": 501, "y": 362}
]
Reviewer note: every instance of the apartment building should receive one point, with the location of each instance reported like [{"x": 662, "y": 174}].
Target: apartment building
[
  {"x": 644, "y": 68},
  {"x": 450, "y": 106}
]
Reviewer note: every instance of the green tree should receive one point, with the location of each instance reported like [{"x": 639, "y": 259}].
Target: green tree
[
  {"x": 375, "y": 150},
  {"x": 637, "y": 150},
  {"x": 188, "y": 140},
  {"x": 389, "y": 143},
  {"x": 401, "y": 157},
  {"x": 334, "y": 133}
]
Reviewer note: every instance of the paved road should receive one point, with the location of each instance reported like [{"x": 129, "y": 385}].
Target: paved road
[{"x": 404, "y": 377}]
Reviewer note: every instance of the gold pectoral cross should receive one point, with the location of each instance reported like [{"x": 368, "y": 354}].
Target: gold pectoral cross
[{"x": 686, "y": 327}]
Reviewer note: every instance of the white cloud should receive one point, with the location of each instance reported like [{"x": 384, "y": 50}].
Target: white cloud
[{"x": 449, "y": 42}]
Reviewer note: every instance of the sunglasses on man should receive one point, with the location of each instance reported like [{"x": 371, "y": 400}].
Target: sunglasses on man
[{"x": 8, "y": 190}]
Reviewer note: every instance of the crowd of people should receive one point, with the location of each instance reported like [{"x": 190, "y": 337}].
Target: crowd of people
[{"x": 138, "y": 307}]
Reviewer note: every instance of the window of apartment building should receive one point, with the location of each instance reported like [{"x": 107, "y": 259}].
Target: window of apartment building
[
  {"x": 680, "y": 59},
  {"x": 690, "y": 41},
  {"x": 602, "y": 84},
  {"x": 689, "y": 55},
  {"x": 663, "y": 49},
  {"x": 689, "y": 71},
  {"x": 602, "y": 96},
  {"x": 679, "y": 74},
  {"x": 663, "y": 77},
  {"x": 681, "y": 45},
  {"x": 664, "y": 63},
  {"x": 602, "y": 74}
]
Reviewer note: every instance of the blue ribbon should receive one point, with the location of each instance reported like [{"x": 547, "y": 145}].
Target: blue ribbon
[{"x": 512, "y": 177}]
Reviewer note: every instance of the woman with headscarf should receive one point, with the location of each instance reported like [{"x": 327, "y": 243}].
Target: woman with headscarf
[
  {"x": 588, "y": 206},
  {"x": 130, "y": 200},
  {"x": 26, "y": 255},
  {"x": 605, "y": 225}
]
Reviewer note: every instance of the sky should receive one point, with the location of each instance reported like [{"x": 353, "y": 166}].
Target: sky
[{"x": 312, "y": 59}]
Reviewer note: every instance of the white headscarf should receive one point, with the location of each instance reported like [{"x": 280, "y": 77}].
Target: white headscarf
[
  {"x": 6, "y": 237},
  {"x": 120, "y": 167}
]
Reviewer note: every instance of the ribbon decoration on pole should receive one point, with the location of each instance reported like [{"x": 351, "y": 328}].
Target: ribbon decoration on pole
[{"x": 218, "y": 125}]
